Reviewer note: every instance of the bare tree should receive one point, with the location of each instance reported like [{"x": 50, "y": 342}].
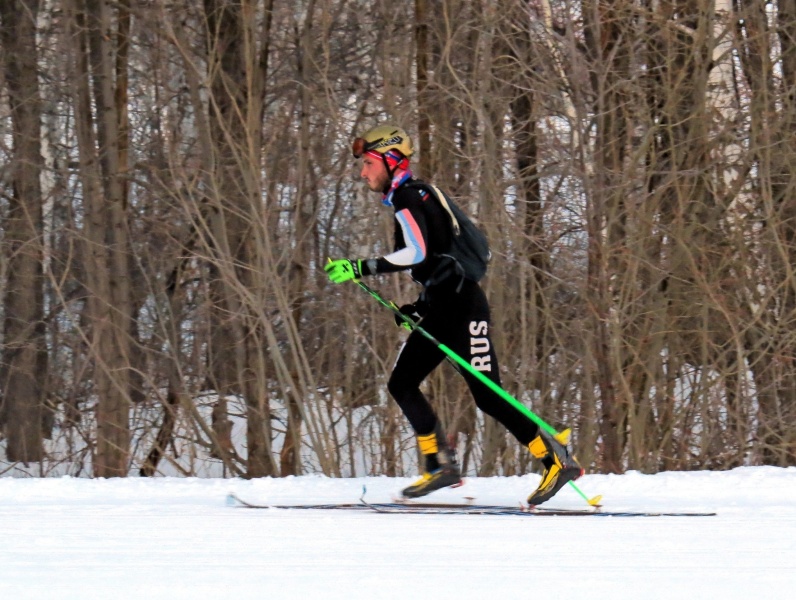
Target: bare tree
[
  {"x": 178, "y": 174},
  {"x": 24, "y": 356},
  {"x": 97, "y": 120}
]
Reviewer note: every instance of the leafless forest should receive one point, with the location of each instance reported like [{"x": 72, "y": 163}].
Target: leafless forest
[{"x": 174, "y": 174}]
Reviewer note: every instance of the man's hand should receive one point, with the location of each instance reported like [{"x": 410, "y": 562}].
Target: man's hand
[
  {"x": 342, "y": 270},
  {"x": 410, "y": 310}
]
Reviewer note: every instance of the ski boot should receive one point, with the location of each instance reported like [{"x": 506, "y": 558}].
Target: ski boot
[
  {"x": 441, "y": 467},
  {"x": 560, "y": 467}
]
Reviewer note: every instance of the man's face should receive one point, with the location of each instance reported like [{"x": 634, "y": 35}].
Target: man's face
[{"x": 374, "y": 173}]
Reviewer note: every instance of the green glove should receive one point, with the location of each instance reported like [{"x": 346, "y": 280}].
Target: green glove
[
  {"x": 342, "y": 270},
  {"x": 410, "y": 310}
]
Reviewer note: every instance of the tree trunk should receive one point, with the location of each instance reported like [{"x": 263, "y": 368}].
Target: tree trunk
[
  {"x": 236, "y": 71},
  {"x": 424, "y": 168},
  {"x": 107, "y": 248},
  {"x": 607, "y": 39},
  {"x": 23, "y": 365}
]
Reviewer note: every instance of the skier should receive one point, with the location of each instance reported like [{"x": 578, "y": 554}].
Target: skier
[{"x": 453, "y": 309}]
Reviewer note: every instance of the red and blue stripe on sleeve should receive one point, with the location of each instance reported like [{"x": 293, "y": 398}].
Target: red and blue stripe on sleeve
[{"x": 415, "y": 251}]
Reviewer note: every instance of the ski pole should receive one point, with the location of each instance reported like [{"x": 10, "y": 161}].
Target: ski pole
[{"x": 458, "y": 360}]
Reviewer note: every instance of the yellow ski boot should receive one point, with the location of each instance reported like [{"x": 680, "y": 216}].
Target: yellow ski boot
[
  {"x": 441, "y": 469},
  {"x": 560, "y": 467}
]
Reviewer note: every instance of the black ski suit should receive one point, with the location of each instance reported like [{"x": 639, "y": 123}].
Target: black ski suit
[{"x": 455, "y": 312}]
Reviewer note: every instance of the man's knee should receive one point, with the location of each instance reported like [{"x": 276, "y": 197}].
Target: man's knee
[{"x": 398, "y": 387}]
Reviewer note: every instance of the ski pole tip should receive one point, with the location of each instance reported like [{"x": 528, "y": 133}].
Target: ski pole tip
[{"x": 595, "y": 501}]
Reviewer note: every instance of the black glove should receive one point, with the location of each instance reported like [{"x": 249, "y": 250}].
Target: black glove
[{"x": 410, "y": 310}]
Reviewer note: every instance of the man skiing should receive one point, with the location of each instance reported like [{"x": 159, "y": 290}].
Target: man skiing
[{"x": 453, "y": 309}]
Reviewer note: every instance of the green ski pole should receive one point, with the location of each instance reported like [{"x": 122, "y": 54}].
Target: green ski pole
[{"x": 460, "y": 362}]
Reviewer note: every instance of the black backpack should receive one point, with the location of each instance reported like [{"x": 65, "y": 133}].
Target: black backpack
[{"x": 469, "y": 254}]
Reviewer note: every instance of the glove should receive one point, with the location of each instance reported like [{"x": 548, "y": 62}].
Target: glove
[
  {"x": 410, "y": 310},
  {"x": 342, "y": 270}
]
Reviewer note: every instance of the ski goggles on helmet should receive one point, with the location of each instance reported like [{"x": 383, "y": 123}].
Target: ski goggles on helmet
[{"x": 360, "y": 145}]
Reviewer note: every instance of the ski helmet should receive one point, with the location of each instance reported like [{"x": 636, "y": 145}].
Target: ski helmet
[{"x": 381, "y": 140}]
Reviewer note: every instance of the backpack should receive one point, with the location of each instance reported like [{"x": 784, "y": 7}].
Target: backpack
[{"x": 469, "y": 254}]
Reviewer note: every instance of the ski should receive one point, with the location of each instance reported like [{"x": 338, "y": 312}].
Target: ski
[
  {"x": 441, "y": 508},
  {"x": 234, "y": 500},
  {"x": 524, "y": 510}
]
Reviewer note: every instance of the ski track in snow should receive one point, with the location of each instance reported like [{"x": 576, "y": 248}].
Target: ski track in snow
[{"x": 177, "y": 538}]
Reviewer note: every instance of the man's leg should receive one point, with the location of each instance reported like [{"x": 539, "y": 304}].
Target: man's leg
[
  {"x": 472, "y": 341},
  {"x": 417, "y": 359}
]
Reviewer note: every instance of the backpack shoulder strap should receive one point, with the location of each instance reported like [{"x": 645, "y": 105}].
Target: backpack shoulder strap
[{"x": 443, "y": 202}]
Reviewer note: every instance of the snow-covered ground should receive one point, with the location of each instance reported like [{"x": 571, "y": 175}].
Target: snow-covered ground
[{"x": 178, "y": 538}]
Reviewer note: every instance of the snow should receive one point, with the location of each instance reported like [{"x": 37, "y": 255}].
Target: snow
[{"x": 177, "y": 538}]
